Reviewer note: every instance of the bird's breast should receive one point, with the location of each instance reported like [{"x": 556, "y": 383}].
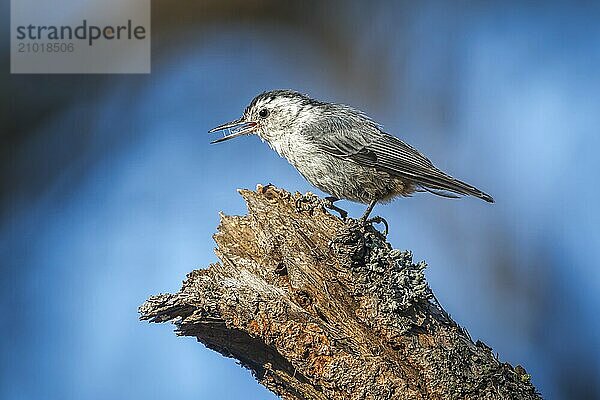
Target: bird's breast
[{"x": 295, "y": 150}]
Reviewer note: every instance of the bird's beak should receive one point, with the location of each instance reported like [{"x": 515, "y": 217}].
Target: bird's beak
[{"x": 236, "y": 128}]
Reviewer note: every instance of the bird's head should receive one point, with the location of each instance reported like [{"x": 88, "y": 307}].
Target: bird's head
[{"x": 270, "y": 115}]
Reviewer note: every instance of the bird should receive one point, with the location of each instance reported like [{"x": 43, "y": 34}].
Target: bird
[{"x": 342, "y": 151}]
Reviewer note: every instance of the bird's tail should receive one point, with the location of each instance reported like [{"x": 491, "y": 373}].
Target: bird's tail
[{"x": 444, "y": 185}]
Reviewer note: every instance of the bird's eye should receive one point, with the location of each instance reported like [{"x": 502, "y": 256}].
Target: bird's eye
[{"x": 263, "y": 113}]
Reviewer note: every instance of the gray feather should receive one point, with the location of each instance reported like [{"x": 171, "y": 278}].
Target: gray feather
[{"x": 349, "y": 134}]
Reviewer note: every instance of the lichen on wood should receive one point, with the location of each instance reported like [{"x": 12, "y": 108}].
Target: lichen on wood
[{"x": 318, "y": 308}]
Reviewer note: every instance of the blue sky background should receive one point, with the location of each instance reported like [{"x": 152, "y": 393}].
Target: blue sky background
[{"x": 113, "y": 194}]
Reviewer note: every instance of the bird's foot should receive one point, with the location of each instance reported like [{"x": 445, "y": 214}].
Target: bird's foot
[
  {"x": 328, "y": 203},
  {"x": 377, "y": 220},
  {"x": 309, "y": 201}
]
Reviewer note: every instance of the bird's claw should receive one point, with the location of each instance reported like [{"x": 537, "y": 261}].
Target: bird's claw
[
  {"x": 328, "y": 203},
  {"x": 308, "y": 202},
  {"x": 379, "y": 220}
]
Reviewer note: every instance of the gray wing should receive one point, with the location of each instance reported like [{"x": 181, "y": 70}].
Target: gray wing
[{"x": 352, "y": 136}]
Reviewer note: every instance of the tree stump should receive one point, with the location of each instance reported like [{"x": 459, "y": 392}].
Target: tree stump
[{"x": 318, "y": 308}]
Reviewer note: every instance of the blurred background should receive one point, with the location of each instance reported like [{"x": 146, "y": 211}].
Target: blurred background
[{"x": 110, "y": 192}]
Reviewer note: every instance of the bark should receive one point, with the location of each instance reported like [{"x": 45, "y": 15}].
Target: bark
[{"x": 321, "y": 309}]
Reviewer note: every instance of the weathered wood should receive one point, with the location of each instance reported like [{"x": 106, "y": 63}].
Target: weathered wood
[{"x": 320, "y": 309}]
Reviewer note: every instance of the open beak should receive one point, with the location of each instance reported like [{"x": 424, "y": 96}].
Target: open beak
[{"x": 236, "y": 128}]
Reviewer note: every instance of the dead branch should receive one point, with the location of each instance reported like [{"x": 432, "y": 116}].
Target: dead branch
[{"x": 320, "y": 309}]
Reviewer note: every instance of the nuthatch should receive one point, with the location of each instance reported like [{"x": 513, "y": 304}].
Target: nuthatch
[{"x": 342, "y": 151}]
